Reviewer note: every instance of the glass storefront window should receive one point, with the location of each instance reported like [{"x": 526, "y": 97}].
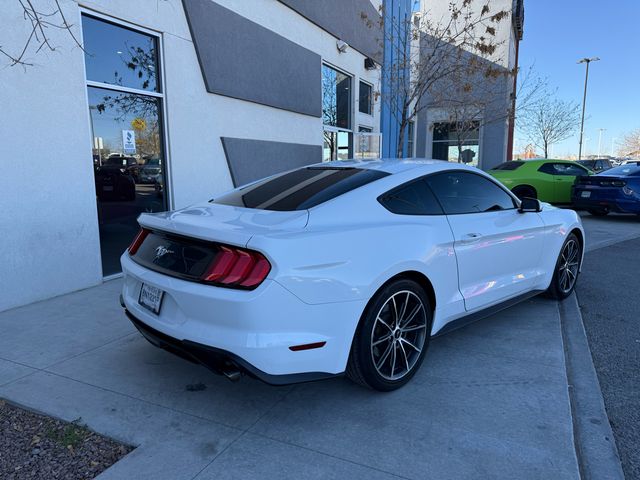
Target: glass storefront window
[
  {"x": 336, "y": 114},
  {"x": 448, "y": 136},
  {"x": 119, "y": 56},
  {"x": 336, "y": 98},
  {"x": 126, "y": 128},
  {"x": 366, "y": 144},
  {"x": 365, "y": 98},
  {"x": 337, "y": 145}
]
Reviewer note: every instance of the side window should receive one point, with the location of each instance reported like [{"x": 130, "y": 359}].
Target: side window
[
  {"x": 569, "y": 170},
  {"x": 415, "y": 198},
  {"x": 464, "y": 192},
  {"x": 549, "y": 168}
]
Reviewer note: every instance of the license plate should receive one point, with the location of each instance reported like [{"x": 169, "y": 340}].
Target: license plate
[
  {"x": 107, "y": 188},
  {"x": 150, "y": 298},
  {"x": 585, "y": 194}
]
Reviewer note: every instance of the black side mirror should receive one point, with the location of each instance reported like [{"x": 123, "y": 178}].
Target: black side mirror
[{"x": 530, "y": 205}]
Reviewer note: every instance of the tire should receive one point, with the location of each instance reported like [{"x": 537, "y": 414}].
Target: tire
[
  {"x": 390, "y": 342},
  {"x": 600, "y": 212},
  {"x": 567, "y": 269},
  {"x": 524, "y": 191}
]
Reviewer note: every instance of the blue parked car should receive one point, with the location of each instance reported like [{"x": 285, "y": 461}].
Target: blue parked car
[{"x": 614, "y": 190}]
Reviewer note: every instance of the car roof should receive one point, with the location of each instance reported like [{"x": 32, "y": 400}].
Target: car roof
[
  {"x": 545, "y": 160},
  {"x": 396, "y": 165}
]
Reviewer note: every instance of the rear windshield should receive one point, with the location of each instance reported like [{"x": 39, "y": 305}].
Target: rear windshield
[
  {"x": 300, "y": 189},
  {"x": 509, "y": 165},
  {"x": 632, "y": 170}
]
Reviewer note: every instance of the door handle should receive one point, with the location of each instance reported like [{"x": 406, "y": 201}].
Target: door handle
[{"x": 471, "y": 237}]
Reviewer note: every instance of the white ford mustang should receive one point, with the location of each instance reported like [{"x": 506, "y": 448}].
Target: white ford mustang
[{"x": 342, "y": 267}]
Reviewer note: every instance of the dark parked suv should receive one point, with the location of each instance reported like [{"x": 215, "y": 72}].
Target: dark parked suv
[
  {"x": 129, "y": 164},
  {"x": 598, "y": 165}
]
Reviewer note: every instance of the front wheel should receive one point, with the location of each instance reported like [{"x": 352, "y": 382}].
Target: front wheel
[
  {"x": 567, "y": 269},
  {"x": 392, "y": 337},
  {"x": 525, "y": 191}
]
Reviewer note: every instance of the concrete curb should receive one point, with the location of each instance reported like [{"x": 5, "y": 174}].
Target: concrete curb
[{"x": 593, "y": 438}]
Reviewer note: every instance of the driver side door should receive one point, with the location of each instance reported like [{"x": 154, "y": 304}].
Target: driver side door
[{"x": 498, "y": 249}]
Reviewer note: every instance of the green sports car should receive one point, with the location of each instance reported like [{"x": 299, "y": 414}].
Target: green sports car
[{"x": 546, "y": 180}]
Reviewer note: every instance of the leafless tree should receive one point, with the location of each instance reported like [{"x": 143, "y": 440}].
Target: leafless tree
[
  {"x": 41, "y": 21},
  {"x": 550, "y": 120},
  {"x": 630, "y": 144},
  {"x": 428, "y": 52},
  {"x": 479, "y": 94}
]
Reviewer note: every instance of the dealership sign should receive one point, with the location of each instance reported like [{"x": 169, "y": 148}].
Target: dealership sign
[{"x": 129, "y": 142}]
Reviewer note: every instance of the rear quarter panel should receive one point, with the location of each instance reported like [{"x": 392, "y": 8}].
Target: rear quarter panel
[{"x": 339, "y": 258}]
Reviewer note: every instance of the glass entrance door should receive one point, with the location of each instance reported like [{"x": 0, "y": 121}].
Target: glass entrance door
[{"x": 125, "y": 108}]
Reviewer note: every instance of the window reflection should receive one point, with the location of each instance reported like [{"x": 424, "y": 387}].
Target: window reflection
[
  {"x": 129, "y": 177},
  {"x": 337, "y": 145},
  {"x": 119, "y": 56},
  {"x": 456, "y": 142},
  {"x": 336, "y": 95},
  {"x": 365, "y": 100},
  {"x": 336, "y": 114}
]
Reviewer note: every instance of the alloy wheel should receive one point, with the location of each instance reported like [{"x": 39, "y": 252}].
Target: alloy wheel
[
  {"x": 398, "y": 335},
  {"x": 568, "y": 266}
]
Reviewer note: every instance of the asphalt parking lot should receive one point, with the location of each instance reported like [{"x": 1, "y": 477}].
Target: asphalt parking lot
[
  {"x": 491, "y": 400},
  {"x": 610, "y": 305}
]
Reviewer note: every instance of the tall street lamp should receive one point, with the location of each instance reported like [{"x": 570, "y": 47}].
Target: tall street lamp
[
  {"x": 584, "y": 99},
  {"x": 600, "y": 139}
]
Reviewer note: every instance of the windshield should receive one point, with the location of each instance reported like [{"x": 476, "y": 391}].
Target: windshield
[{"x": 623, "y": 171}]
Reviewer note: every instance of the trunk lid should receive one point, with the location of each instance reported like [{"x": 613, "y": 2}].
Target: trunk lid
[
  {"x": 600, "y": 181},
  {"x": 223, "y": 223}
]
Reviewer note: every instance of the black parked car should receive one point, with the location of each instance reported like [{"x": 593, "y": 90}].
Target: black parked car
[
  {"x": 129, "y": 164},
  {"x": 598, "y": 165},
  {"x": 114, "y": 183}
]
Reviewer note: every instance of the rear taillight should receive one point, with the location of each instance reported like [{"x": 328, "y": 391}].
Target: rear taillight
[
  {"x": 235, "y": 267},
  {"x": 135, "y": 245}
]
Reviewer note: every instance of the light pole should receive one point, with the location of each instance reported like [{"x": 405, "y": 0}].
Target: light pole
[
  {"x": 584, "y": 99},
  {"x": 600, "y": 139}
]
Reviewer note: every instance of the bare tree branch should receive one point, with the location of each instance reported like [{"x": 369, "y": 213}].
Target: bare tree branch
[
  {"x": 39, "y": 36},
  {"x": 629, "y": 146},
  {"x": 431, "y": 55},
  {"x": 549, "y": 121}
]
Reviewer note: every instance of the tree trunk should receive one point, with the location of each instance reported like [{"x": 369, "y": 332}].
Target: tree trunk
[
  {"x": 403, "y": 125},
  {"x": 546, "y": 150},
  {"x": 400, "y": 145}
]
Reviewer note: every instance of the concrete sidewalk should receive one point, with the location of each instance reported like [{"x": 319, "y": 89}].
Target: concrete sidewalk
[{"x": 490, "y": 401}]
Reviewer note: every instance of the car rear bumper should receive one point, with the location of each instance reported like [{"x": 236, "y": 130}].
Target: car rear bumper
[
  {"x": 614, "y": 204},
  {"x": 217, "y": 360},
  {"x": 253, "y": 331}
]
